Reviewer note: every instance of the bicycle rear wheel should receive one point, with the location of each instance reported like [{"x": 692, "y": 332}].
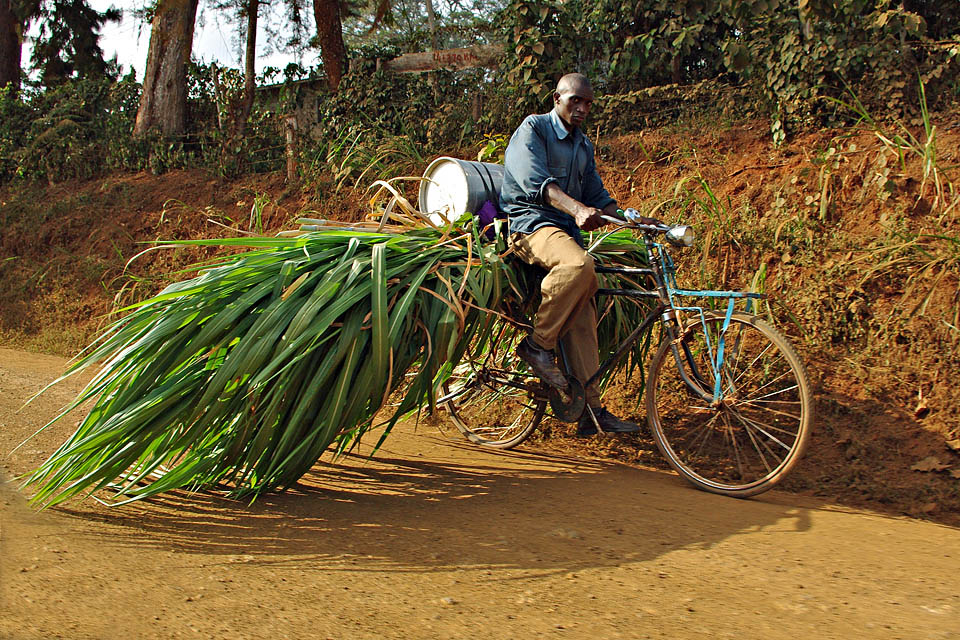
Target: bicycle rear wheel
[
  {"x": 493, "y": 399},
  {"x": 745, "y": 443}
]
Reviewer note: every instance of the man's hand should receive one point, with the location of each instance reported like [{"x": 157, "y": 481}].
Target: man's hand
[{"x": 588, "y": 218}]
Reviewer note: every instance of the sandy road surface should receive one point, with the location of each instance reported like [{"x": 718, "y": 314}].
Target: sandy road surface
[{"x": 434, "y": 539}]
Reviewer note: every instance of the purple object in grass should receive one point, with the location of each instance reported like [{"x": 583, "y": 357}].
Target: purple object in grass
[{"x": 486, "y": 214}]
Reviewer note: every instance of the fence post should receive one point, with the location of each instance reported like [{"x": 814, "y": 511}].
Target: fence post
[{"x": 291, "y": 131}]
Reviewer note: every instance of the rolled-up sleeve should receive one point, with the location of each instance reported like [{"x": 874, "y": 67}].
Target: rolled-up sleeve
[
  {"x": 594, "y": 193},
  {"x": 526, "y": 160}
]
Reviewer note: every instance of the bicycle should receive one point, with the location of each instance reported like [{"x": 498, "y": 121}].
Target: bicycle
[{"x": 733, "y": 415}]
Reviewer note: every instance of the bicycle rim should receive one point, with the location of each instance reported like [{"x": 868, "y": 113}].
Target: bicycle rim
[
  {"x": 747, "y": 442},
  {"x": 490, "y": 404}
]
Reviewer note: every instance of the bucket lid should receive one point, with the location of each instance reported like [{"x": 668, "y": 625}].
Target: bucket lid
[{"x": 444, "y": 191}]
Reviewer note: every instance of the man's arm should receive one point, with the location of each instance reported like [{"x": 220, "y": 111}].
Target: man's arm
[{"x": 588, "y": 218}]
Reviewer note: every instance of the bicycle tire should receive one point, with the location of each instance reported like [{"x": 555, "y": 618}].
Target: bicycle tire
[
  {"x": 484, "y": 407},
  {"x": 749, "y": 441}
]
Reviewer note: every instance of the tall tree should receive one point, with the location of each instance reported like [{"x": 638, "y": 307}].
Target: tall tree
[
  {"x": 163, "y": 104},
  {"x": 250, "y": 70},
  {"x": 333, "y": 53},
  {"x": 15, "y": 15},
  {"x": 11, "y": 41},
  {"x": 68, "y": 41},
  {"x": 431, "y": 23}
]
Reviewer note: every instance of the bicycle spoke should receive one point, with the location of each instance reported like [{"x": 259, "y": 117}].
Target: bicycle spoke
[
  {"x": 708, "y": 430},
  {"x": 789, "y": 433},
  {"x": 753, "y": 440},
  {"x": 736, "y": 448},
  {"x": 730, "y": 364},
  {"x": 770, "y": 395},
  {"x": 757, "y": 425},
  {"x": 770, "y": 382},
  {"x": 769, "y": 409},
  {"x": 759, "y": 355}
]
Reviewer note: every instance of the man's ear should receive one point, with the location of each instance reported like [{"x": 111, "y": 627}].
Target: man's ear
[{"x": 556, "y": 97}]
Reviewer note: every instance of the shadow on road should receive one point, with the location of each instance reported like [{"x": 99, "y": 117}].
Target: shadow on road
[{"x": 456, "y": 506}]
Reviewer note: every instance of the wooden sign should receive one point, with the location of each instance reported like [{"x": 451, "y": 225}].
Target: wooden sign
[{"x": 447, "y": 59}]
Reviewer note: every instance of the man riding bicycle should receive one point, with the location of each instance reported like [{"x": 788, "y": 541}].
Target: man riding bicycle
[{"x": 551, "y": 191}]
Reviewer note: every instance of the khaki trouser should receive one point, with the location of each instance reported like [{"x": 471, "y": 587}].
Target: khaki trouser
[{"x": 567, "y": 311}]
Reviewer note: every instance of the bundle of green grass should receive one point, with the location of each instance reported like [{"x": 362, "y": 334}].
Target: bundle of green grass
[{"x": 243, "y": 376}]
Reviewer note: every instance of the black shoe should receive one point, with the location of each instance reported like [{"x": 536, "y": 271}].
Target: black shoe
[
  {"x": 608, "y": 422},
  {"x": 543, "y": 363}
]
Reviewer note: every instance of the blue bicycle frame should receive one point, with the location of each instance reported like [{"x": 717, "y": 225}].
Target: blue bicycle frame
[{"x": 662, "y": 272}]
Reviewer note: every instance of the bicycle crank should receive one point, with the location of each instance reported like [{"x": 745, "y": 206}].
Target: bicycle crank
[{"x": 568, "y": 404}]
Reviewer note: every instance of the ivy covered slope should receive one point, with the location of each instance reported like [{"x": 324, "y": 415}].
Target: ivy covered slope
[{"x": 244, "y": 375}]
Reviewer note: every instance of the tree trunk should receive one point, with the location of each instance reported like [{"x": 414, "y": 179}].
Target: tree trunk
[
  {"x": 11, "y": 41},
  {"x": 432, "y": 24},
  {"x": 163, "y": 103},
  {"x": 330, "y": 35},
  {"x": 250, "y": 72},
  {"x": 676, "y": 72}
]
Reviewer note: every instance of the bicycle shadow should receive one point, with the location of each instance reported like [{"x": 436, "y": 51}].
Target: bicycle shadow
[{"x": 450, "y": 505}]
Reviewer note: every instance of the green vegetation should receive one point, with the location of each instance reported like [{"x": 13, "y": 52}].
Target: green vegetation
[{"x": 218, "y": 379}]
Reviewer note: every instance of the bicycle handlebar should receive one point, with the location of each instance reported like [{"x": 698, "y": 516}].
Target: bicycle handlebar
[
  {"x": 650, "y": 228},
  {"x": 679, "y": 235}
]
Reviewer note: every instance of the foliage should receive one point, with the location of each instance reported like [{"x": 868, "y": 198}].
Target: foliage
[
  {"x": 82, "y": 128},
  {"x": 792, "y": 53},
  {"x": 902, "y": 142},
  {"x": 652, "y": 61},
  {"x": 66, "y": 45},
  {"x": 430, "y": 110},
  {"x": 15, "y": 117},
  {"x": 670, "y": 105},
  {"x": 381, "y": 124},
  {"x": 661, "y": 42},
  {"x": 798, "y": 57},
  {"x": 364, "y": 154},
  {"x": 405, "y": 23},
  {"x": 494, "y": 148},
  {"x": 244, "y": 375},
  {"x": 548, "y": 39},
  {"x": 76, "y": 130}
]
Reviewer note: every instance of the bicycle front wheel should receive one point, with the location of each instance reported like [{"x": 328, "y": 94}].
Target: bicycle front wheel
[
  {"x": 744, "y": 442},
  {"x": 492, "y": 402}
]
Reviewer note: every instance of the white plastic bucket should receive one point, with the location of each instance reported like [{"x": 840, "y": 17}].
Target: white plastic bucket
[{"x": 452, "y": 187}]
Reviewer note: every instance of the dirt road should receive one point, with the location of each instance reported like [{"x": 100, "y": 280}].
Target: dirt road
[{"x": 435, "y": 539}]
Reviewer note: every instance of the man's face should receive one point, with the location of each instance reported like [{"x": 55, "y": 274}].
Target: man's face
[{"x": 573, "y": 104}]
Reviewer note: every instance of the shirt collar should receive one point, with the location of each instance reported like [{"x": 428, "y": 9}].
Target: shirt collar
[{"x": 558, "y": 125}]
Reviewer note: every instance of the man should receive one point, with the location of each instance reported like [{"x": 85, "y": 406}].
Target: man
[{"x": 551, "y": 191}]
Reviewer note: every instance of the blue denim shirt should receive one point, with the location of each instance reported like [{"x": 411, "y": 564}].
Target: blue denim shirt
[{"x": 540, "y": 152}]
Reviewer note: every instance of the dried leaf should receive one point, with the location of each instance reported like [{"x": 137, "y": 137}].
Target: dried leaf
[
  {"x": 930, "y": 463},
  {"x": 955, "y": 473},
  {"x": 954, "y": 444}
]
